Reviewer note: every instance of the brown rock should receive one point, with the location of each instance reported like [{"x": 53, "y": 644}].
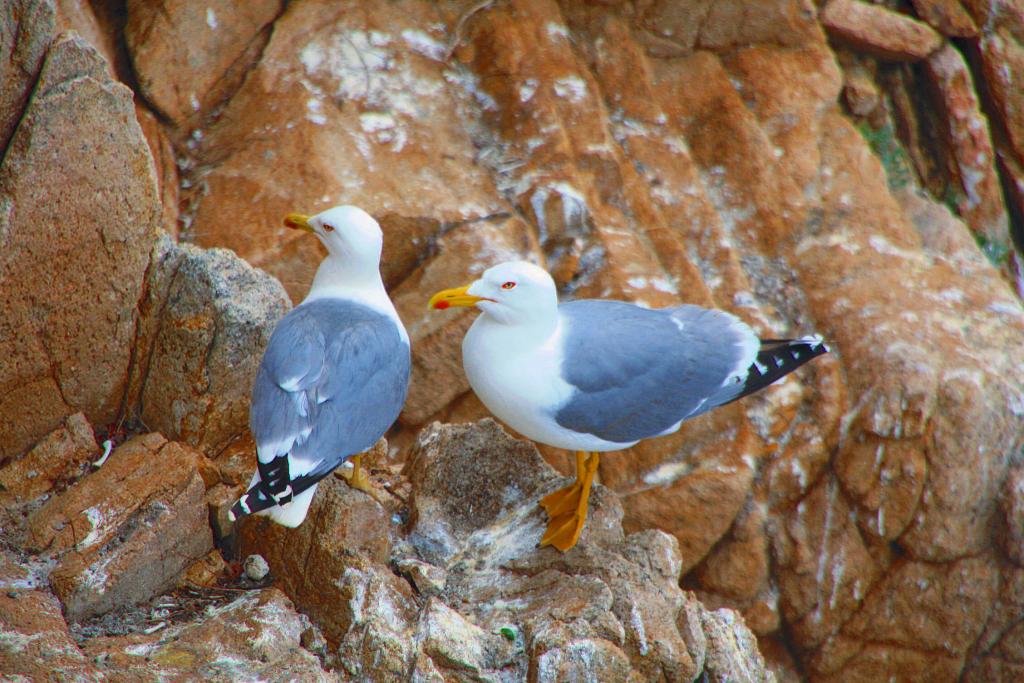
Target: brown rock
[
  {"x": 166, "y": 168},
  {"x": 981, "y": 201},
  {"x": 36, "y": 642},
  {"x": 947, "y": 17},
  {"x": 189, "y": 58},
  {"x": 987, "y": 12},
  {"x": 258, "y": 636},
  {"x": 619, "y": 614},
  {"x": 78, "y": 182},
  {"x": 674, "y": 28},
  {"x": 57, "y": 457},
  {"x": 367, "y": 113},
  {"x": 210, "y": 315},
  {"x": 1011, "y": 504},
  {"x": 132, "y": 527},
  {"x": 451, "y": 465},
  {"x": 738, "y": 566},
  {"x": 152, "y": 548},
  {"x": 378, "y": 614},
  {"x": 1001, "y": 48},
  {"x": 346, "y": 538},
  {"x": 205, "y": 572},
  {"x": 886, "y": 478},
  {"x": 999, "y": 651},
  {"x": 860, "y": 92},
  {"x": 881, "y": 31},
  {"x": 732, "y": 653},
  {"x": 26, "y": 28},
  {"x": 80, "y": 17},
  {"x": 826, "y": 569},
  {"x": 923, "y": 607}
]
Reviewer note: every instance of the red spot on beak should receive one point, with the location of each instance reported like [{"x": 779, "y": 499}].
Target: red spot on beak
[{"x": 441, "y": 305}]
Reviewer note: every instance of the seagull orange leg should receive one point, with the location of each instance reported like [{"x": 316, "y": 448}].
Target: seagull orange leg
[
  {"x": 568, "y": 512},
  {"x": 565, "y": 499},
  {"x": 360, "y": 482}
]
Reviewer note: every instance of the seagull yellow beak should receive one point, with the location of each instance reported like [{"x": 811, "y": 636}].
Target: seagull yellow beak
[
  {"x": 456, "y": 296},
  {"x": 297, "y": 221}
]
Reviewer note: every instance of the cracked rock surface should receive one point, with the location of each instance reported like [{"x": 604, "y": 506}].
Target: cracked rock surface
[{"x": 849, "y": 168}]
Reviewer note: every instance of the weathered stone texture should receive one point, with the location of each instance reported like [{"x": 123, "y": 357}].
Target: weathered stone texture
[
  {"x": 79, "y": 210},
  {"x": 862, "y": 518}
]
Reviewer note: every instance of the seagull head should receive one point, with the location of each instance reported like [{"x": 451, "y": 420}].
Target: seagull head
[
  {"x": 348, "y": 232},
  {"x": 514, "y": 292}
]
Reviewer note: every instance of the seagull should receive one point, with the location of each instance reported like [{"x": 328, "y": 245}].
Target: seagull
[
  {"x": 600, "y": 375},
  {"x": 334, "y": 376}
]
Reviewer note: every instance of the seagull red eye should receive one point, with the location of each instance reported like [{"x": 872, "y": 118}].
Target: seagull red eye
[
  {"x": 508, "y": 285},
  {"x": 328, "y": 227}
]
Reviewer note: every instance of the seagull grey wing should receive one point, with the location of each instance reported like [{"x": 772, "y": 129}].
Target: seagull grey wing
[
  {"x": 638, "y": 372},
  {"x": 333, "y": 379},
  {"x": 293, "y": 366},
  {"x": 362, "y": 392}
]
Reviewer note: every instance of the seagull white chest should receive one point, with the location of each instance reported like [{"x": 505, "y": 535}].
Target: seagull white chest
[{"x": 520, "y": 381}]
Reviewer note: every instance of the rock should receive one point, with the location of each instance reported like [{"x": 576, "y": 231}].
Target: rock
[
  {"x": 26, "y": 27},
  {"x": 93, "y": 25},
  {"x": 1000, "y": 648},
  {"x": 1001, "y": 51},
  {"x": 331, "y": 557},
  {"x": 166, "y": 168},
  {"x": 732, "y": 653},
  {"x": 255, "y": 637},
  {"x": 883, "y": 32},
  {"x": 1011, "y": 504},
  {"x": 77, "y": 164},
  {"x": 980, "y": 199},
  {"x": 442, "y": 523},
  {"x": 131, "y": 527},
  {"x": 482, "y": 600},
  {"x": 380, "y": 112},
  {"x": 205, "y": 572},
  {"x": 672, "y": 29},
  {"x": 58, "y": 457},
  {"x": 860, "y": 91},
  {"x": 36, "y": 641},
  {"x": 189, "y": 59},
  {"x": 426, "y": 578},
  {"x": 619, "y": 602},
  {"x": 657, "y": 151},
  {"x": 928, "y": 609},
  {"x": 948, "y": 17},
  {"x": 209, "y": 318},
  {"x": 256, "y": 568}
]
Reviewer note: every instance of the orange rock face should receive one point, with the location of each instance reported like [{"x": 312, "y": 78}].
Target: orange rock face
[{"x": 844, "y": 167}]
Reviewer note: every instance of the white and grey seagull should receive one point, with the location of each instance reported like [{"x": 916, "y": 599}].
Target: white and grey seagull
[
  {"x": 333, "y": 377},
  {"x": 599, "y": 375}
]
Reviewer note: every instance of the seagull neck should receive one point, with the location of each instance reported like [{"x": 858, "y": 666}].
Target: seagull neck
[
  {"x": 339, "y": 277},
  {"x": 522, "y": 334}
]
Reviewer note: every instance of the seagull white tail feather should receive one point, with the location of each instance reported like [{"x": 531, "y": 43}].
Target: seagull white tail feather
[{"x": 292, "y": 514}]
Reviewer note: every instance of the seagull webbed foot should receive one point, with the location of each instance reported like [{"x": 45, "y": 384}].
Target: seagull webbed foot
[
  {"x": 358, "y": 480},
  {"x": 567, "y": 507}
]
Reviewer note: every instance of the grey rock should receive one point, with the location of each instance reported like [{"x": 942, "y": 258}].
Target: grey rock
[
  {"x": 208, "y": 316},
  {"x": 256, "y": 568}
]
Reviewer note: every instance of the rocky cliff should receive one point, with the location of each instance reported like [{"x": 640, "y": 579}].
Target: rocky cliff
[{"x": 845, "y": 167}]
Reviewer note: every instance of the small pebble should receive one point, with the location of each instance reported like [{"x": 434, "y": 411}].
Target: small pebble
[{"x": 256, "y": 568}]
